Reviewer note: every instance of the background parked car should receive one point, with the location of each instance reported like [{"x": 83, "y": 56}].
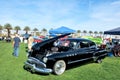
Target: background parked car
[
  {"x": 8, "y": 39},
  {"x": 37, "y": 39},
  {"x": 1, "y": 38}
]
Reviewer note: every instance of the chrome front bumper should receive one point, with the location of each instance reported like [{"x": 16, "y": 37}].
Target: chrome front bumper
[{"x": 33, "y": 68}]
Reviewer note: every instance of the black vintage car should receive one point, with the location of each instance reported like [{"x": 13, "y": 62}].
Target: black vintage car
[{"x": 53, "y": 55}]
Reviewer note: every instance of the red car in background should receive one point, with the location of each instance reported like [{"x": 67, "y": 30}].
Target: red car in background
[
  {"x": 43, "y": 37},
  {"x": 37, "y": 39}
]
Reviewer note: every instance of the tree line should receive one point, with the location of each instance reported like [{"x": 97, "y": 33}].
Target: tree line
[{"x": 9, "y": 27}]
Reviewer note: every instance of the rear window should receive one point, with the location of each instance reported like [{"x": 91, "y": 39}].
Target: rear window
[{"x": 84, "y": 44}]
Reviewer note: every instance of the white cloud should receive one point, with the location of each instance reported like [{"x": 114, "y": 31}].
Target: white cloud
[
  {"x": 103, "y": 16},
  {"x": 116, "y": 3},
  {"x": 107, "y": 12}
]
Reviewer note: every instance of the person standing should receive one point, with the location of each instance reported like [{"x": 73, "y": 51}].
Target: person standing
[
  {"x": 30, "y": 42},
  {"x": 16, "y": 43}
]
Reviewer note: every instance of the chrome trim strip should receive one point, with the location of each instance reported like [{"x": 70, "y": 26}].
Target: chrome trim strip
[
  {"x": 79, "y": 60},
  {"x": 103, "y": 55}
]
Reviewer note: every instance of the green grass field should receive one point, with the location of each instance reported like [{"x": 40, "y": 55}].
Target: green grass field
[
  {"x": 96, "y": 40},
  {"x": 11, "y": 68}
]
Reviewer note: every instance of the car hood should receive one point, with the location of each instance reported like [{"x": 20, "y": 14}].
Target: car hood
[{"x": 48, "y": 42}]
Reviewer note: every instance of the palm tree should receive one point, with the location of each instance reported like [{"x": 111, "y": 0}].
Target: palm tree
[
  {"x": 90, "y": 32},
  {"x": 8, "y": 27},
  {"x": 17, "y": 28},
  {"x": 26, "y": 29},
  {"x": 95, "y": 32},
  {"x": 84, "y": 32},
  {"x": 35, "y": 29},
  {"x": 1, "y": 28},
  {"x": 78, "y": 33},
  {"x": 44, "y": 31}
]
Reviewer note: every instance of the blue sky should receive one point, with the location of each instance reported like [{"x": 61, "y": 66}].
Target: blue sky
[{"x": 95, "y": 15}]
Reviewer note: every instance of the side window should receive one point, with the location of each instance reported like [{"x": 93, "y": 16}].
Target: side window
[
  {"x": 66, "y": 43},
  {"x": 84, "y": 44},
  {"x": 73, "y": 44},
  {"x": 92, "y": 45}
]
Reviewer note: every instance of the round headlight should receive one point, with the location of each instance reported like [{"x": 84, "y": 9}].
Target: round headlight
[{"x": 45, "y": 59}]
